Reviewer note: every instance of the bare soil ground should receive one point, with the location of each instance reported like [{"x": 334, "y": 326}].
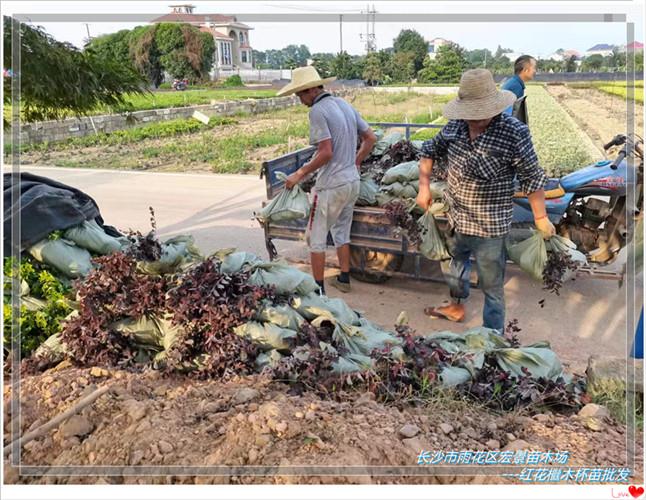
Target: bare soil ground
[
  {"x": 600, "y": 115},
  {"x": 156, "y": 421}
]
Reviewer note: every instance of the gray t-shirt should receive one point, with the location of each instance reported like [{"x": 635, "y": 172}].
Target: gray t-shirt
[{"x": 333, "y": 118}]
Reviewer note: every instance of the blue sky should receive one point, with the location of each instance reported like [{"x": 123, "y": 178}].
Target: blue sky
[{"x": 538, "y": 39}]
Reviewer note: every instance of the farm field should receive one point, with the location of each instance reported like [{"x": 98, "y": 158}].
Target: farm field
[{"x": 568, "y": 125}]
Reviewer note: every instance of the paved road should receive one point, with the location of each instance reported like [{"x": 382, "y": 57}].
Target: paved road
[
  {"x": 216, "y": 209},
  {"x": 588, "y": 318}
]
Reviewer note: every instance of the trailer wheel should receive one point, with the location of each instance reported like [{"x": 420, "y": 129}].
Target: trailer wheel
[{"x": 368, "y": 265}]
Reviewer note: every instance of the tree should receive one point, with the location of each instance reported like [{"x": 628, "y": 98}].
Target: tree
[
  {"x": 593, "y": 62},
  {"x": 401, "y": 67},
  {"x": 373, "y": 71},
  {"x": 56, "y": 78},
  {"x": 411, "y": 41},
  {"x": 447, "y": 67},
  {"x": 500, "y": 51},
  {"x": 299, "y": 54},
  {"x": 323, "y": 64},
  {"x": 112, "y": 46},
  {"x": 479, "y": 58},
  {"x": 570, "y": 64},
  {"x": 185, "y": 52},
  {"x": 344, "y": 68}
]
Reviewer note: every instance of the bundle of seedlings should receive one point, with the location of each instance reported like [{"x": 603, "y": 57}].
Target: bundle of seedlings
[{"x": 400, "y": 216}]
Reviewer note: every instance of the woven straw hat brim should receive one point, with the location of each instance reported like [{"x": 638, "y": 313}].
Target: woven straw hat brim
[
  {"x": 290, "y": 88},
  {"x": 479, "y": 109}
]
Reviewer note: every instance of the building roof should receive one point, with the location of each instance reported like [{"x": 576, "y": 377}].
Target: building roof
[
  {"x": 181, "y": 17},
  {"x": 635, "y": 45},
  {"x": 215, "y": 33},
  {"x": 571, "y": 52},
  {"x": 601, "y": 46}
]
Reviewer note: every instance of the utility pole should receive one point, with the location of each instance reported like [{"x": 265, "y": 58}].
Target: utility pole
[
  {"x": 87, "y": 27},
  {"x": 340, "y": 33}
]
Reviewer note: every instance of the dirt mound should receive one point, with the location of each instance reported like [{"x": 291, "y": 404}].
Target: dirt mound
[{"x": 155, "y": 421}]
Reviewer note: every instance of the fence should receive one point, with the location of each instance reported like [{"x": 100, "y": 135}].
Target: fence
[{"x": 254, "y": 75}]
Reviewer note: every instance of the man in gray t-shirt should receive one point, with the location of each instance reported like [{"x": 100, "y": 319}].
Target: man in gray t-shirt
[{"x": 335, "y": 127}]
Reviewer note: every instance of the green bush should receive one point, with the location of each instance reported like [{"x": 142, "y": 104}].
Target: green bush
[{"x": 233, "y": 81}]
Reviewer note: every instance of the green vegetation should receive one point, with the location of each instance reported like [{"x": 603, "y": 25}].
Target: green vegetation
[
  {"x": 44, "y": 304},
  {"x": 561, "y": 145},
  {"x": 611, "y": 393},
  {"x": 618, "y": 88},
  {"x": 233, "y": 81},
  {"x": 57, "y": 80}
]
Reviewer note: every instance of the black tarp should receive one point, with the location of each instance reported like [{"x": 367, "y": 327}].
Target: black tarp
[{"x": 45, "y": 205}]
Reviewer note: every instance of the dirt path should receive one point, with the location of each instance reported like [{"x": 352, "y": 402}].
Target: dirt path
[
  {"x": 600, "y": 115},
  {"x": 156, "y": 421}
]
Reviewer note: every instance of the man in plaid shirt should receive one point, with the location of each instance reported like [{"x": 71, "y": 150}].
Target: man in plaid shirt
[{"x": 485, "y": 150}]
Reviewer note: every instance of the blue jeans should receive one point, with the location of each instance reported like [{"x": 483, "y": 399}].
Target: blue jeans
[{"x": 490, "y": 256}]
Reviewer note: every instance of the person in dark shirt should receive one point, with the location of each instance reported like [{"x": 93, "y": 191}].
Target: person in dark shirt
[
  {"x": 524, "y": 71},
  {"x": 485, "y": 150}
]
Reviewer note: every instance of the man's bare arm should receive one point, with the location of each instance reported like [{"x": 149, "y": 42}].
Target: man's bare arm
[{"x": 368, "y": 140}]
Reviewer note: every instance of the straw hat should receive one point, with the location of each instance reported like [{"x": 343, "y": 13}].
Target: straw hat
[
  {"x": 302, "y": 79},
  {"x": 478, "y": 98}
]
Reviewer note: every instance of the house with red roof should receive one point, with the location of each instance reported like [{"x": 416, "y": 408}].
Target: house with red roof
[{"x": 232, "y": 46}]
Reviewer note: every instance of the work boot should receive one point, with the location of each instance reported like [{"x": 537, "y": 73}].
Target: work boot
[
  {"x": 452, "y": 312},
  {"x": 340, "y": 285}
]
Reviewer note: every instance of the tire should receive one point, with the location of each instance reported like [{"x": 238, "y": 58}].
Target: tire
[{"x": 375, "y": 263}]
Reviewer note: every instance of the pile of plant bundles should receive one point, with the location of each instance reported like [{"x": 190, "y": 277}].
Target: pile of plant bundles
[
  {"x": 275, "y": 327},
  {"x": 402, "y": 182},
  {"x": 468, "y": 350},
  {"x": 70, "y": 251},
  {"x": 290, "y": 204},
  {"x": 384, "y": 141},
  {"x": 551, "y": 261}
]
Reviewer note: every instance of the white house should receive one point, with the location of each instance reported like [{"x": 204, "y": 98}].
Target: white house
[
  {"x": 232, "y": 46},
  {"x": 602, "y": 49},
  {"x": 435, "y": 44}
]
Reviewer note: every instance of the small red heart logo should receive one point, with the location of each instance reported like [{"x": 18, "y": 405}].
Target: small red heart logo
[{"x": 635, "y": 491}]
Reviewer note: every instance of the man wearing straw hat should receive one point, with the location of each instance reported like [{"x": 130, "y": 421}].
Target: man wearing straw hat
[
  {"x": 334, "y": 129},
  {"x": 485, "y": 149}
]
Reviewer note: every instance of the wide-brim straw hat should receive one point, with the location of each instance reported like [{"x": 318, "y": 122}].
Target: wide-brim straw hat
[
  {"x": 302, "y": 79},
  {"x": 478, "y": 98}
]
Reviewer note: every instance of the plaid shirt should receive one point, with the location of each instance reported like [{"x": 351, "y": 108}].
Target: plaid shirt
[{"x": 481, "y": 173}]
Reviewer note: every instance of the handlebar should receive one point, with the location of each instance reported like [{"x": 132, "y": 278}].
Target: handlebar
[
  {"x": 616, "y": 141},
  {"x": 619, "y": 159}
]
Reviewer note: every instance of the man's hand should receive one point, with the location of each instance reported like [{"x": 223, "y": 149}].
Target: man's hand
[
  {"x": 424, "y": 197},
  {"x": 293, "y": 179},
  {"x": 545, "y": 226}
]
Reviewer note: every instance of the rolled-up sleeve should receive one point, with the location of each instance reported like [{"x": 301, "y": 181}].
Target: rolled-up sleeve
[
  {"x": 437, "y": 147},
  {"x": 525, "y": 162}
]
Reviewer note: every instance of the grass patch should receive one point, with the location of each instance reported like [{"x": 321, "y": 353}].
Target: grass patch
[
  {"x": 611, "y": 393},
  {"x": 561, "y": 145},
  {"x": 618, "y": 88},
  {"x": 622, "y": 92},
  {"x": 159, "y": 130},
  {"x": 173, "y": 99}
]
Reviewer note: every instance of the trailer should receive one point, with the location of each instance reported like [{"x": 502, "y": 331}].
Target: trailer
[{"x": 378, "y": 250}]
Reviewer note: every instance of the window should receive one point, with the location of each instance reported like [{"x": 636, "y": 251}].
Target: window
[
  {"x": 241, "y": 38},
  {"x": 244, "y": 56},
  {"x": 226, "y": 53}
]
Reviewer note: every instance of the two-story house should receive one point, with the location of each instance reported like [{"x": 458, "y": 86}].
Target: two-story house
[{"x": 232, "y": 46}]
